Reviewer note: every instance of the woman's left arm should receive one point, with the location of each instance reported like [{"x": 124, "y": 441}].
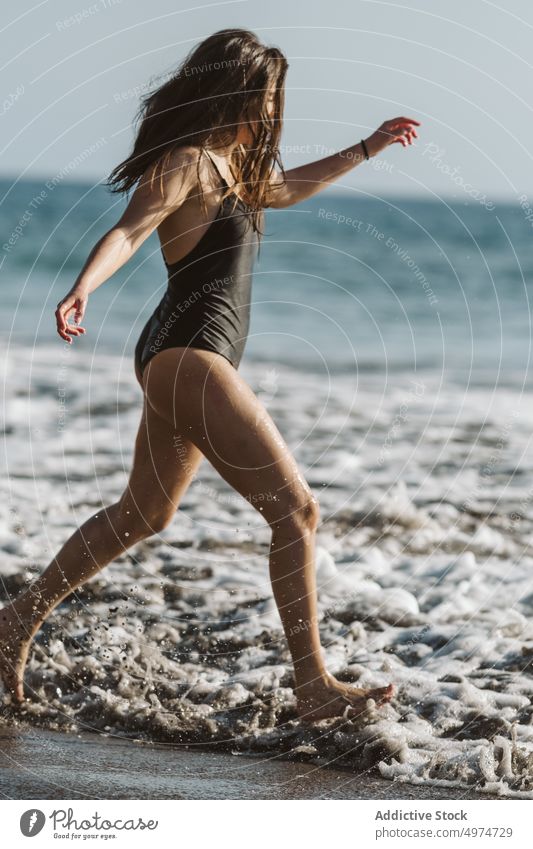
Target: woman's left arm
[{"x": 308, "y": 180}]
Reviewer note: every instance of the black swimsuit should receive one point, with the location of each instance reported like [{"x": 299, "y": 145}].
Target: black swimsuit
[{"x": 207, "y": 301}]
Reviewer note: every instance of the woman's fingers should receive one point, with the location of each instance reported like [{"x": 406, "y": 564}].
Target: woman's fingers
[
  {"x": 403, "y": 127},
  {"x": 61, "y": 320},
  {"x": 64, "y": 308},
  {"x": 80, "y": 304},
  {"x": 404, "y": 135},
  {"x": 395, "y": 121},
  {"x": 64, "y": 330},
  {"x": 397, "y": 130}
]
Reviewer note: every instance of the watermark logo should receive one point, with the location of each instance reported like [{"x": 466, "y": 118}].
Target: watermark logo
[
  {"x": 32, "y": 822},
  {"x": 436, "y": 157}
]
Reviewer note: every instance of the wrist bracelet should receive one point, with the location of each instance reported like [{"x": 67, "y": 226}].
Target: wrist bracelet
[{"x": 365, "y": 149}]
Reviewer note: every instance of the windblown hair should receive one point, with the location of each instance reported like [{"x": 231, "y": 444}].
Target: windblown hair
[{"x": 223, "y": 82}]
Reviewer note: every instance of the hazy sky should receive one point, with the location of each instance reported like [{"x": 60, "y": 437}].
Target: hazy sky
[{"x": 461, "y": 67}]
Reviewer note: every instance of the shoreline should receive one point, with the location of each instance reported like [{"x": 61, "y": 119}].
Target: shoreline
[
  {"x": 420, "y": 579},
  {"x": 41, "y": 764}
]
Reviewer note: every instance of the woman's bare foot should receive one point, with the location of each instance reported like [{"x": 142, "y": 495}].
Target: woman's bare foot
[
  {"x": 323, "y": 699},
  {"x": 15, "y": 642}
]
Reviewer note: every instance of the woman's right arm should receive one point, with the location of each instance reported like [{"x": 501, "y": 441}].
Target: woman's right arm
[{"x": 147, "y": 208}]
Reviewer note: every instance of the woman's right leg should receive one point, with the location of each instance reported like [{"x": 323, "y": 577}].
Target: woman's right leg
[
  {"x": 203, "y": 396},
  {"x": 159, "y": 477}
]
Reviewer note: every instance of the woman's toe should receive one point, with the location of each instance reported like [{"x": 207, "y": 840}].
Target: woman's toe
[{"x": 382, "y": 694}]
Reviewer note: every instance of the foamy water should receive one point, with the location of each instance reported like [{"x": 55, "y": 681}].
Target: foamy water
[{"x": 423, "y": 565}]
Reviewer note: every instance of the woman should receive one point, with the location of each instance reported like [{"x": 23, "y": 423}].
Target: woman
[{"x": 203, "y": 168}]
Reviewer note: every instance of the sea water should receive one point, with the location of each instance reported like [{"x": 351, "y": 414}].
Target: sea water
[{"x": 393, "y": 354}]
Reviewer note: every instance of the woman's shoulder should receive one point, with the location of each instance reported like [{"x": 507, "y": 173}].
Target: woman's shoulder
[
  {"x": 183, "y": 162},
  {"x": 186, "y": 154},
  {"x": 175, "y": 172},
  {"x": 187, "y": 166}
]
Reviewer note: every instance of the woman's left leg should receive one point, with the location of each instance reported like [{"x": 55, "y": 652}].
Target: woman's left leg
[{"x": 157, "y": 482}]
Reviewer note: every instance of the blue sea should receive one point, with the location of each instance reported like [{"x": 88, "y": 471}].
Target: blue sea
[
  {"x": 343, "y": 281},
  {"x": 391, "y": 342}
]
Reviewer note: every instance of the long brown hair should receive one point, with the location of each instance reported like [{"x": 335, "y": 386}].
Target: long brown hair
[{"x": 222, "y": 82}]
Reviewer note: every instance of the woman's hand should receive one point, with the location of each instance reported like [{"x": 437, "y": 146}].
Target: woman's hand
[
  {"x": 396, "y": 130},
  {"x": 75, "y": 300}
]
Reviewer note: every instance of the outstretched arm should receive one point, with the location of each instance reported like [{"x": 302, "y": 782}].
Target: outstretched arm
[
  {"x": 147, "y": 208},
  {"x": 309, "y": 179}
]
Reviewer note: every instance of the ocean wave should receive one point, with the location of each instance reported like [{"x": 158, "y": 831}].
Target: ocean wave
[{"x": 423, "y": 568}]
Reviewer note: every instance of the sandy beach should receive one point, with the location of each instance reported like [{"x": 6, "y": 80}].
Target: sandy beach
[
  {"x": 179, "y": 642},
  {"x": 412, "y": 427},
  {"x": 39, "y": 764}
]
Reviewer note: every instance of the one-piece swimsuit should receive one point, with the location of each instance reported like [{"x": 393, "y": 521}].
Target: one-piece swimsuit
[{"x": 207, "y": 300}]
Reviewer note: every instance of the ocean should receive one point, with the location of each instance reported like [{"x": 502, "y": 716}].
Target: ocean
[
  {"x": 349, "y": 283},
  {"x": 391, "y": 343}
]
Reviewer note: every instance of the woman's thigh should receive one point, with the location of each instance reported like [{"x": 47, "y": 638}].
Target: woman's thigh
[
  {"x": 203, "y": 396},
  {"x": 164, "y": 463}
]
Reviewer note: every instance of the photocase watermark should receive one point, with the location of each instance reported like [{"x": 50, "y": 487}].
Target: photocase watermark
[
  {"x": 488, "y": 468},
  {"x": 27, "y": 562},
  {"x": 24, "y": 220},
  {"x": 520, "y": 513},
  {"x": 321, "y": 150},
  {"x": 406, "y": 258},
  {"x": 183, "y": 454},
  {"x": 71, "y": 166},
  {"x": 268, "y": 386},
  {"x": 208, "y": 67},
  {"x": 65, "y": 825},
  {"x": 49, "y": 186},
  {"x": 412, "y": 641},
  {"x": 84, "y": 14},
  {"x": 214, "y": 494},
  {"x": 340, "y": 218},
  {"x": 525, "y": 205},
  {"x": 64, "y": 819},
  {"x": 11, "y": 98},
  {"x": 32, "y": 822},
  {"x": 370, "y": 229},
  {"x": 331, "y": 611},
  {"x": 62, "y": 389},
  {"x": 375, "y": 162},
  {"x": 254, "y": 498},
  {"x": 416, "y": 391},
  {"x": 128, "y": 93},
  {"x": 181, "y": 307},
  {"x": 141, "y": 88},
  {"x": 435, "y": 154}
]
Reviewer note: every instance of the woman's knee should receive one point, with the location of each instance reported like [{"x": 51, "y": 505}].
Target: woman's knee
[
  {"x": 301, "y": 520},
  {"x": 136, "y": 521}
]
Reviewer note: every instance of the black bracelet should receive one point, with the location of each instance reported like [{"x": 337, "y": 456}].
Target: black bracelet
[{"x": 365, "y": 149}]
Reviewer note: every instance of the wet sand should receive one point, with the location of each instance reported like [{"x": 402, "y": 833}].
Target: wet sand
[
  {"x": 39, "y": 764},
  {"x": 423, "y": 580}
]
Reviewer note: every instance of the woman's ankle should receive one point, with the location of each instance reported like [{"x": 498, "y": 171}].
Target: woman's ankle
[
  {"x": 23, "y": 614},
  {"x": 310, "y": 678}
]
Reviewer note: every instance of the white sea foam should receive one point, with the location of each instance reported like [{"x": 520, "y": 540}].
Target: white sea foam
[{"x": 424, "y": 559}]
